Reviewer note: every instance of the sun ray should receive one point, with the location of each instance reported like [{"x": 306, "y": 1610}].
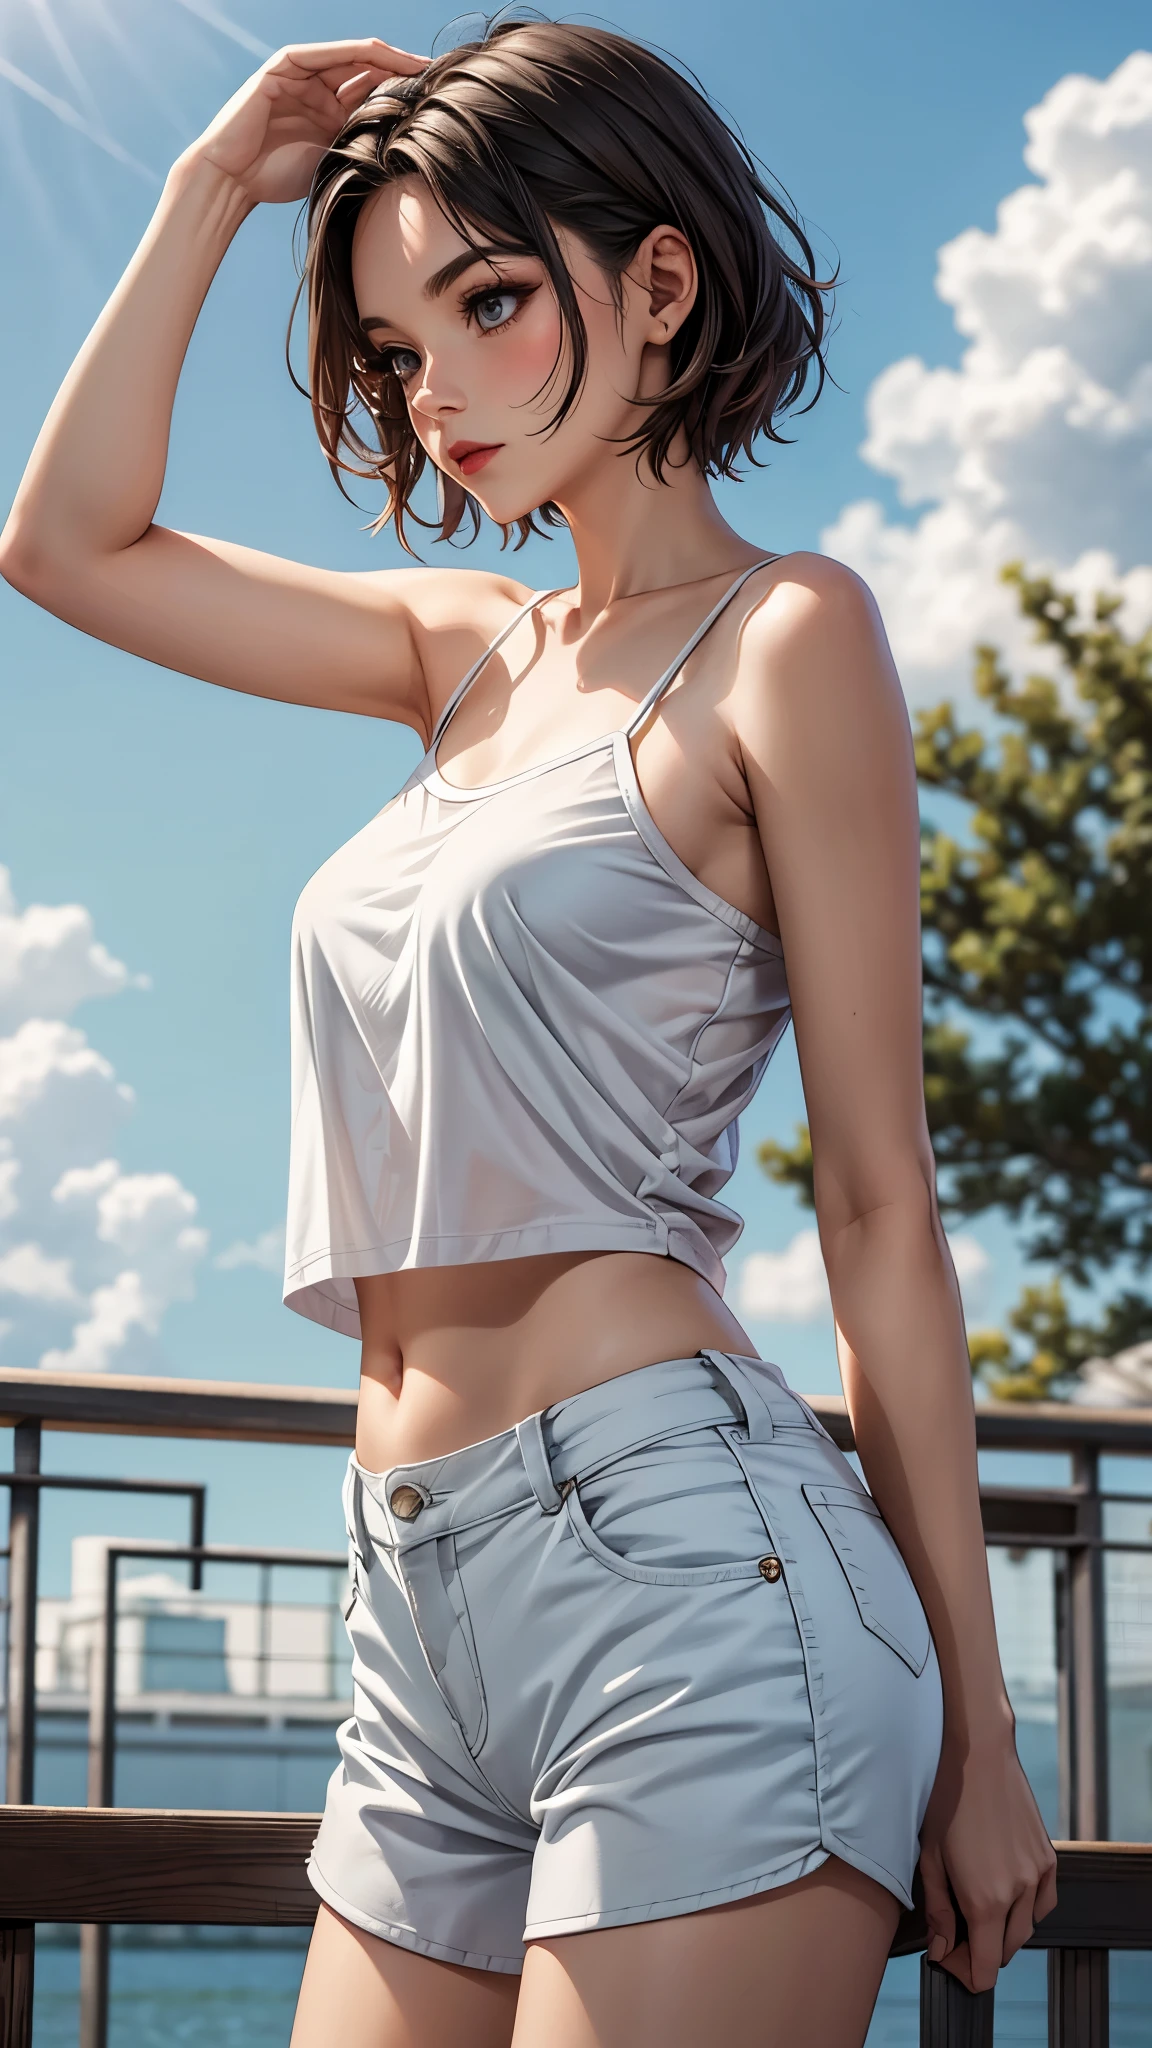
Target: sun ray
[
  {"x": 131, "y": 57},
  {"x": 58, "y": 44},
  {"x": 71, "y": 118},
  {"x": 21, "y": 170},
  {"x": 81, "y": 112},
  {"x": 212, "y": 16}
]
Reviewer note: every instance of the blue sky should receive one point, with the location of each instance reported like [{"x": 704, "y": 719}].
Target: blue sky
[{"x": 186, "y": 819}]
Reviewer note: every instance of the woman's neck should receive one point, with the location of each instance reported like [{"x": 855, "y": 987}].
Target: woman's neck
[{"x": 633, "y": 534}]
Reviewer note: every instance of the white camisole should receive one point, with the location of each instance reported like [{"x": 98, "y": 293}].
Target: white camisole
[{"x": 519, "y": 1025}]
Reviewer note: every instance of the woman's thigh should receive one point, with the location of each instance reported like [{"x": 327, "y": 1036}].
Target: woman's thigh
[
  {"x": 795, "y": 1968},
  {"x": 360, "y": 1992}
]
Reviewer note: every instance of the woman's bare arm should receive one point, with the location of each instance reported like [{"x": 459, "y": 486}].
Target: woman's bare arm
[
  {"x": 81, "y": 540},
  {"x": 824, "y": 735}
]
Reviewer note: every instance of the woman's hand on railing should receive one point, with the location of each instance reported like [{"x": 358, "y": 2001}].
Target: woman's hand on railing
[
  {"x": 983, "y": 1847},
  {"x": 270, "y": 135}
]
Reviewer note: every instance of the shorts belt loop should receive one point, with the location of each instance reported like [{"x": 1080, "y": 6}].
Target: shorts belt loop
[
  {"x": 757, "y": 1413},
  {"x": 359, "y": 1533},
  {"x": 534, "y": 1451}
]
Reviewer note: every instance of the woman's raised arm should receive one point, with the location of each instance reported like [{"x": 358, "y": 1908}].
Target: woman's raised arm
[
  {"x": 80, "y": 539},
  {"x": 824, "y": 735}
]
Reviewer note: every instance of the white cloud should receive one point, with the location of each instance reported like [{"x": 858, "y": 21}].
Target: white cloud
[
  {"x": 28, "y": 1271},
  {"x": 9, "y": 1175},
  {"x": 973, "y": 1266},
  {"x": 787, "y": 1286},
  {"x": 267, "y": 1252},
  {"x": 1040, "y": 444},
  {"x": 791, "y": 1286},
  {"x": 90, "y": 1256},
  {"x": 50, "y": 962},
  {"x": 1124, "y": 1381}
]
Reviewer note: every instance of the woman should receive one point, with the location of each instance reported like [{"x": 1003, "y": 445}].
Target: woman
[{"x": 649, "y": 1726}]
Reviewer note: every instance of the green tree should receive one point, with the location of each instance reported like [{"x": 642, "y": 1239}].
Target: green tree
[{"x": 1038, "y": 974}]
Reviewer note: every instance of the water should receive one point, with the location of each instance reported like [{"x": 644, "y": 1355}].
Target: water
[
  {"x": 208, "y": 1988},
  {"x": 192, "y": 1987}
]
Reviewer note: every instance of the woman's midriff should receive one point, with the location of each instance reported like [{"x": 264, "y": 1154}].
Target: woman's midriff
[{"x": 454, "y": 1354}]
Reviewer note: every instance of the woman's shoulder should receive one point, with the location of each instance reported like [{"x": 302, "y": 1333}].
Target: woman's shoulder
[
  {"x": 807, "y": 586},
  {"x": 808, "y": 608},
  {"x": 812, "y": 644}
]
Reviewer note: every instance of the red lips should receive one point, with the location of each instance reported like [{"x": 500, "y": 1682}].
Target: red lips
[{"x": 469, "y": 456}]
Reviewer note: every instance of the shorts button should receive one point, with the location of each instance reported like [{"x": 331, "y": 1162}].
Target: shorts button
[
  {"x": 770, "y": 1569},
  {"x": 407, "y": 1501}
]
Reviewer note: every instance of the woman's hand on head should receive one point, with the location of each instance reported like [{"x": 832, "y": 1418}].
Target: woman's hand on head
[
  {"x": 270, "y": 135},
  {"x": 984, "y": 1844}
]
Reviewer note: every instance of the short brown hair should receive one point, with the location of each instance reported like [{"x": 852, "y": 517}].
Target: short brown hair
[{"x": 545, "y": 126}]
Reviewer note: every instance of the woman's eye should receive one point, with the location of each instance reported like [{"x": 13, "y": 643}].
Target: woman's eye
[
  {"x": 495, "y": 308},
  {"x": 403, "y": 363}
]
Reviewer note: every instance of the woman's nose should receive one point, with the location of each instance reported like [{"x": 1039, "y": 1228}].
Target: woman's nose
[{"x": 436, "y": 394}]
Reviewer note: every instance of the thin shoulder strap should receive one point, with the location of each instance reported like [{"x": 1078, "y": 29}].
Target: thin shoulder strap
[
  {"x": 690, "y": 646},
  {"x": 463, "y": 687}
]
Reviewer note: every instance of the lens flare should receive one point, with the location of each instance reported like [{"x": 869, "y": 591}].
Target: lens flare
[
  {"x": 78, "y": 109},
  {"x": 212, "y": 16},
  {"x": 65, "y": 112}
]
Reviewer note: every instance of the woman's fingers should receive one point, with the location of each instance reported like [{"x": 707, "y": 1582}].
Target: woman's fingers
[
  {"x": 356, "y": 90},
  {"x": 986, "y": 1938},
  {"x": 328, "y": 105},
  {"x": 938, "y": 1909},
  {"x": 1046, "y": 1892},
  {"x": 959, "y": 1965},
  {"x": 341, "y": 59},
  {"x": 314, "y": 87},
  {"x": 268, "y": 135},
  {"x": 361, "y": 82},
  {"x": 986, "y": 1863},
  {"x": 996, "y": 1929},
  {"x": 337, "y": 87},
  {"x": 1020, "y": 1923}
]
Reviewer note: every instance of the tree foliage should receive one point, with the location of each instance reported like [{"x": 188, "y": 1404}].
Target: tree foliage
[{"x": 1038, "y": 974}]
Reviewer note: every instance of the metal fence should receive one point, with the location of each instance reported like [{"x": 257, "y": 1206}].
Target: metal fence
[{"x": 1092, "y": 1689}]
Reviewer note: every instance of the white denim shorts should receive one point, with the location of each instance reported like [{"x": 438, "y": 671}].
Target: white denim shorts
[{"x": 647, "y": 1652}]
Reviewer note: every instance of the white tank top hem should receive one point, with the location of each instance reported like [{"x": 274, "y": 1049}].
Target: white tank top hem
[{"x": 513, "y": 1033}]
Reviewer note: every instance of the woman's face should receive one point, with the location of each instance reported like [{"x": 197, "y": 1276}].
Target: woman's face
[{"x": 479, "y": 346}]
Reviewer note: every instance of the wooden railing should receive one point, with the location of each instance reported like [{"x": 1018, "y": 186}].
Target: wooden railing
[
  {"x": 120, "y": 1867},
  {"x": 103, "y": 1866}
]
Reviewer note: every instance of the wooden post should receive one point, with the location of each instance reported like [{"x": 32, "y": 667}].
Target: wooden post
[
  {"x": 1065, "y": 1704},
  {"x": 95, "y": 1938},
  {"x": 94, "y": 1985},
  {"x": 17, "y": 1953},
  {"x": 950, "y": 2016},
  {"x": 102, "y": 1694},
  {"x": 1077, "y": 1998},
  {"x": 1089, "y": 1657},
  {"x": 23, "y": 1557}
]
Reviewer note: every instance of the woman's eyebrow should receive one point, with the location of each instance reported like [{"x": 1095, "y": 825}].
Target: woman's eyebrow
[{"x": 442, "y": 280}]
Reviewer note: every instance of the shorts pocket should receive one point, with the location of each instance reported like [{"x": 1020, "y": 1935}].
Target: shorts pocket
[
  {"x": 887, "y": 1600},
  {"x": 674, "y": 1512}
]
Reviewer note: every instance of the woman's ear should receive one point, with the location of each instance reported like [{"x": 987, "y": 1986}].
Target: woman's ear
[{"x": 665, "y": 268}]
